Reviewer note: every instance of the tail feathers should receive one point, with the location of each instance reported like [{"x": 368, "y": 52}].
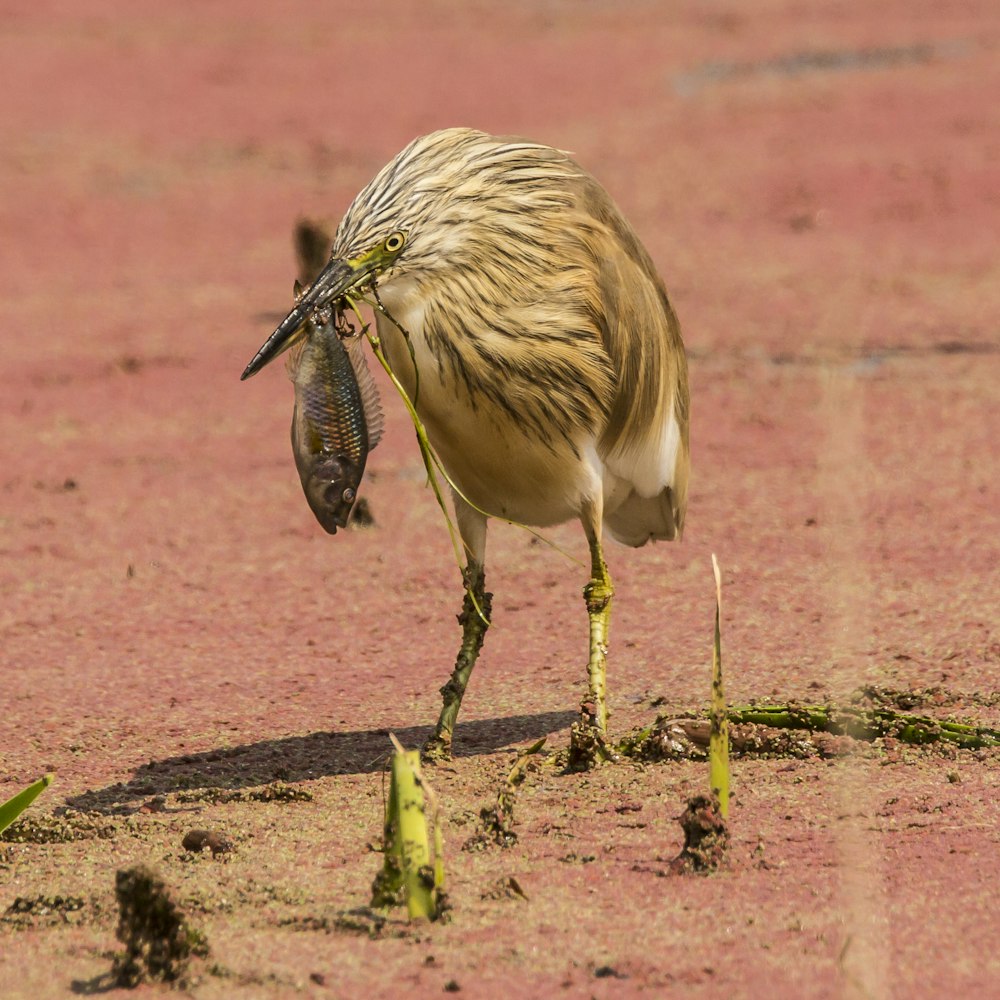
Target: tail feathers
[{"x": 638, "y": 520}]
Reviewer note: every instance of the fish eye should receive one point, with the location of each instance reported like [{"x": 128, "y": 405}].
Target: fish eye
[
  {"x": 348, "y": 495},
  {"x": 394, "y": 243}
]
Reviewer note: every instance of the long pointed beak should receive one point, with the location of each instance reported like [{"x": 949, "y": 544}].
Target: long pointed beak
[{"x": 337, "y": 278}]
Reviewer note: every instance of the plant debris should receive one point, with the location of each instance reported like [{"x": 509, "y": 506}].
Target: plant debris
[
  {"x": 505, "y": 888},
  {"x": 588, "y": 745},
  {"x": 868, "y": 724},
  {"x": 497, "y": 820},
  {"x": 793, "y": 730}
]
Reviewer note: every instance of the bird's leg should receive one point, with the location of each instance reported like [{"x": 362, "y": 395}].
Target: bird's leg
[
  {"x": 438, "y": 747},
  {"x": 474, "y": 619},
  {"x": 587, "y": 742},
  {"x": 598, "y": 594}
]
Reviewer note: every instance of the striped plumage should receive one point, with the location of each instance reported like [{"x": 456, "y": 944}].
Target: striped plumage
[
  {"x": 552, "y": 375},
  {"x": 532, "y": 303}
]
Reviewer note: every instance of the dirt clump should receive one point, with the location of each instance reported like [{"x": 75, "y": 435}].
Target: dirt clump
[
  {"x": 706, "y": 837},
  {"x": 71, "y": 826},
  {"x": 277, "y": 791},
  {"x": 159, "y": 942}
]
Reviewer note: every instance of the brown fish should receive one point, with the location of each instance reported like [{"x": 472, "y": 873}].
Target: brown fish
[{"x": 337, "y": 418}]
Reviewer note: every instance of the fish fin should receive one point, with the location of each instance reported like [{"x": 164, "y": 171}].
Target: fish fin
[
  {"x": 293, "y": 360},
  {"x": 368, "y": 390}
]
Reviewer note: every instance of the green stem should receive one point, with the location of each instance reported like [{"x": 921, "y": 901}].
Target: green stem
[
  {"x": 414, "y": 851},
  {"x": 867, "y": 724},
  {"x": 857, "y": 723},
  {"x": 718, "y": 743},
  {"x": 409, "y": 342},
  {"x": 408, "y": 870}
]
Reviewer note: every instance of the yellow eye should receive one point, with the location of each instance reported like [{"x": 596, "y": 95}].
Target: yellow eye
[{"x": 394, "y": 243}]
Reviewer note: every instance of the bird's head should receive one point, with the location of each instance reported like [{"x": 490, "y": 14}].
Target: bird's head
[
  {"x": 343, "y": 275},
  {"x": 450, "y": 199}
]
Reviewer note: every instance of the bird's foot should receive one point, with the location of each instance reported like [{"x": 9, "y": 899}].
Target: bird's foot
[
  {"x": 588, "y": 742},
  {"x": 437, "y": 749}
]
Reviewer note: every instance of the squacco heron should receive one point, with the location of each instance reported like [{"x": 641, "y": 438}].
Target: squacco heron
[{"x": 523, "y": 316}]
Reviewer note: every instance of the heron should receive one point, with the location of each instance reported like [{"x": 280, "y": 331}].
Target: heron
[{"x": 530, "y": 328}]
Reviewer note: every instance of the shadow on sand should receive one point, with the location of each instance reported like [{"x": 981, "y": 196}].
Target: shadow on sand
[{"x": 302, "y": 758}]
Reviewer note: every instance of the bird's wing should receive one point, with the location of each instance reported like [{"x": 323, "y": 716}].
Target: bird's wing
[{"x": 645, "y": 440}]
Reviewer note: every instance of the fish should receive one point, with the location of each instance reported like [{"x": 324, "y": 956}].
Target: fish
[{"x": 337, "y": 419}]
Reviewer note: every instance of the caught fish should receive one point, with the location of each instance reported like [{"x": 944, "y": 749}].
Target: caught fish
[{"x": 337, "y": 418}]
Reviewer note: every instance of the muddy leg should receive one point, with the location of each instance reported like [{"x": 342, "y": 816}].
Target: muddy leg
[
  {"x": 474, "y": 619},
  {"x": 587, "y": 742}
]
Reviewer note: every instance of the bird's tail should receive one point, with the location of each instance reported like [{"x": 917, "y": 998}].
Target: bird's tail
[{"x": 638, "y": 519}]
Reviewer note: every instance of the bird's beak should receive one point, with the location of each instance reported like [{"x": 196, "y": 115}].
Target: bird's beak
[{"x": 338, "y": 278}]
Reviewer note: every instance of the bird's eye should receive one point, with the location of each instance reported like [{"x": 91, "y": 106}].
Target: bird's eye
[{"x": 394, "y": 243}]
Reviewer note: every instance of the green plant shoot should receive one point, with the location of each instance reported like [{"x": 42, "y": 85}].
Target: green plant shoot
[
  {"x": 718, "y": 745},
  {"x": 16, "y": 805},
  {"x": 410, "y": 872}
]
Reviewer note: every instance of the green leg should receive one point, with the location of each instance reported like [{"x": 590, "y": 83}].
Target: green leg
[
  {"x": 474, "y": 627},
  {"x": 588, "y": 737},
  {"x": 597, "y": 594}
]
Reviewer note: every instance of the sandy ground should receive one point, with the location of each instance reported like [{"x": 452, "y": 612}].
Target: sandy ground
[{"x": 819, "y": 187}]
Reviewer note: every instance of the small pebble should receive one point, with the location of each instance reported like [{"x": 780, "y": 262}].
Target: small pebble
[
  {"x": 608, "y": 972},
  {"x": 214, "y": 840}
]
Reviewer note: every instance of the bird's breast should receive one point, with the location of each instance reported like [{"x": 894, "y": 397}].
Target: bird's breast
[{"x": 497, "y": 456}]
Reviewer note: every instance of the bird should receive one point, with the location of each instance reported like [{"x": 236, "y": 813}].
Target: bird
[{"x": 531, "y": 330}]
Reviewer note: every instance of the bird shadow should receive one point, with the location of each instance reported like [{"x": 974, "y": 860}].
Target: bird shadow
[{"x": 302, "y": 758}]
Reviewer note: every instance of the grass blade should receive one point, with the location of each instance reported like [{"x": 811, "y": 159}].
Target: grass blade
[{"x": 16, "y": 805}]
